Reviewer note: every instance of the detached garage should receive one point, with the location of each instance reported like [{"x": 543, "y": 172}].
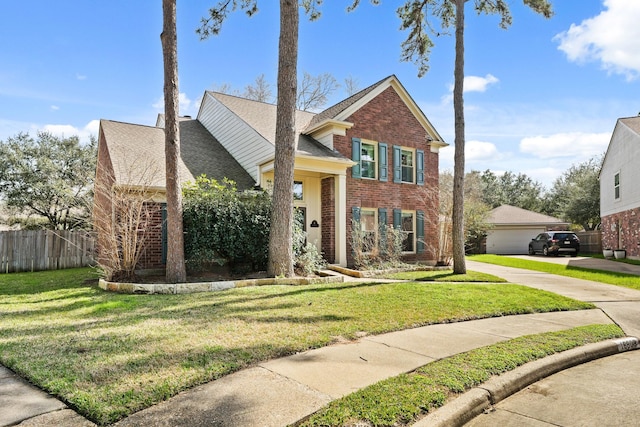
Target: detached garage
[{"x": 514, "y": 227}]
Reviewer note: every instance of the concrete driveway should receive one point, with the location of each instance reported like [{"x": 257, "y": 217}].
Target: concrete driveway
[{"x": 599, "y": 393}]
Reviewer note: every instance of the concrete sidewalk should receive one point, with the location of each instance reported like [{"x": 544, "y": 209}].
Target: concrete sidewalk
[{"x": 283, "y": 391}]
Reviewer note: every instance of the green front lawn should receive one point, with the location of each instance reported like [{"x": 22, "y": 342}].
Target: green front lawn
[
  {"x": 612, "y": 278},
  {"x": 109, "y": 355}
]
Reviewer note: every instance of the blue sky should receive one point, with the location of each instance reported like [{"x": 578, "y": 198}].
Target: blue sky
[{"x": 539, "y": 97}]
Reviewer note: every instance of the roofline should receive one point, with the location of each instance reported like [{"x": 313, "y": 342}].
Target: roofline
[{"x": 392, "y": 81}]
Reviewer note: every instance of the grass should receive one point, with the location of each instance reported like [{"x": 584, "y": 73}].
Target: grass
[
  {"x": 612, "y": 278},
  {"x": 445, "y": 276},
  {"x": 403, "y": 399},
  {"x": 109, "y": 355}
]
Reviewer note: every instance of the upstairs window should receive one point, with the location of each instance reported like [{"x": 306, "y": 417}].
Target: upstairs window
[
  {"x": 368, "y": 160},
  {"x": 406, "y": 157},
  {"x": 408, "y": 165},
  {"x": 616, "y": 185}
]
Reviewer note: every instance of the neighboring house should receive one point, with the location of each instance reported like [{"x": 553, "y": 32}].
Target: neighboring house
[
  {"x": 619, "y": 189},
  {"x": 513, "y": 229},
  {"x": 372, "y": 157}
]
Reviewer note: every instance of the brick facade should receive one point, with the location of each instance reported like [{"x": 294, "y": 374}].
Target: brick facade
[
  {"x": 152, "y": 252},
  {"x": 386, "y": 118},
  {"x": 622, "y": 231},
  {"x": 328, "y": 219}
]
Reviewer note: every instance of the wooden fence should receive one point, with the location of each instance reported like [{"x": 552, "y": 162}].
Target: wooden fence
[
  {"x": 590, "y": 241},
  {"x": 35, "y": 250}
]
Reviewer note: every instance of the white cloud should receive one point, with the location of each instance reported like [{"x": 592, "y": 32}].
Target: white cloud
[
  {"x": 66, "y": 131},
  {"x": 610, "y": 38},
  {"x": 477, "y": 83},
  {"x": 186, "y": 105},
  {"x": 479, "y": 150},
  {"x": 55, "y": 108},
  {"x": 81, "y": 76},
  {"x": 573, "y": 144},
  {"x": 472, "y": 84}
]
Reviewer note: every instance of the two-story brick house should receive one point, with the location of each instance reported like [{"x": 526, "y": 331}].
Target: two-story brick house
[{"x": 372, "y": 157}]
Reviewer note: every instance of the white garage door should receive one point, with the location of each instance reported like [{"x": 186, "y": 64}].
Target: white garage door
[{"x": 511, "y": 242}]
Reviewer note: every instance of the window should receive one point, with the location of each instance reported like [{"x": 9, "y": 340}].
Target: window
[
  {"x": 407, "y": 165},
  {"x": 405, "y": 221},
  {"x": 408, "y": 229},
  {"x": 368, "y": 225},
  {"x": 616, "y": 185},
  {"x": 298, "y": 193},
  {"x": 368, "y": 160}
]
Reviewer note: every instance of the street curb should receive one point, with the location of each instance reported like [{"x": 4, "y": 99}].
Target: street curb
[{"x": 477, "y": 400}]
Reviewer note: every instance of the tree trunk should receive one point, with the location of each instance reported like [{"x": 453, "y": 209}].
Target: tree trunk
[
  {"x": 175, "y": 268},
  {"x": 280, "y": 238},
  {"x": 459, "y": 264}
]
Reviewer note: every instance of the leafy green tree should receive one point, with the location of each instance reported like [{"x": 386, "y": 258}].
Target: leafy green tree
[
  {"x": 417, "y": 18},
  {"x": 476, "y": 211},
  {"x": 50, "y": 177},
  {"x": 575, "y": 196},
  {"x": 510, "y": 189}
]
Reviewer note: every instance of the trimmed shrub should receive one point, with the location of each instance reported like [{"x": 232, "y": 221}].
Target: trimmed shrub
[{"x": 223, "y": 225}]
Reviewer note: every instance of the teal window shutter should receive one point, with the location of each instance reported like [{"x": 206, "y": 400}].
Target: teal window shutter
[
  {"x": 397, "y": 219},
  {"x": 420, "y": 231},
  {"x": 397, "y": 163},
  {"x": 383, "y": 162},
  {"x": 355, "y": 213},
  {"x": 355, "y": 156},
  {"x": 419, "y": 167},
  {"x": 382, "y": 229},
  {"x": 382, "y": 217}
]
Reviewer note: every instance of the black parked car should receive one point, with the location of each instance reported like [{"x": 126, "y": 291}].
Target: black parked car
[{"x": 555, "y": 243}]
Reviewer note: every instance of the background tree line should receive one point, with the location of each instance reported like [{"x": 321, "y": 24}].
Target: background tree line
[{"x": 573, "y": 197}]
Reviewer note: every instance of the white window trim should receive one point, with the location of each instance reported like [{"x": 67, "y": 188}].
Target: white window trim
[
  {"x": 302, "y": 200},
  {"x": 375, "y": 161},
  {"x": 413, "y": 168},
  {"x": 375, "y": 222},
  {"x": 616, "y": 187},
  {"x": 413, "y": 230}
]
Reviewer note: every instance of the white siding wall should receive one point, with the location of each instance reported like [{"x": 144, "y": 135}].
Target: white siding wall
[
  {"x": 623, "y": 155},
  {"x": 247, "y": 146}
]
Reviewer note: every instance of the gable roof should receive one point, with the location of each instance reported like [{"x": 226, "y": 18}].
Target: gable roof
[
  {"x": 137, "y": 155},
  {"x": 631, "y": 123},
  {"x": 261, "y": 116},
  {"x": 512, "y": 215},
  {"x": 341, "y": 111}
]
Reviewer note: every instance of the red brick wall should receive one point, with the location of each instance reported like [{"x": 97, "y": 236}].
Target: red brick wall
[
  {"x": 328, "y": 219},
  {"x": 102, "y": 209},
  {"x": 103, "y": 214},
  {"x": 622, "y": 231},
  {"x": 387, "y": 119},
  {"x": 152, "y": 251}
]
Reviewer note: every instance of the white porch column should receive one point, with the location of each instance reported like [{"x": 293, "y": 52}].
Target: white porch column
[{"x": 341, "y": 220}]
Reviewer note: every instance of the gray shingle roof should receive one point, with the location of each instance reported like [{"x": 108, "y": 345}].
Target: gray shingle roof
[
  {"x": 336, "y": 109},
  {"x": 512, "y": 215},
  {"x": 261, "y": 116},
  {"x": 137, "y": 154}
]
